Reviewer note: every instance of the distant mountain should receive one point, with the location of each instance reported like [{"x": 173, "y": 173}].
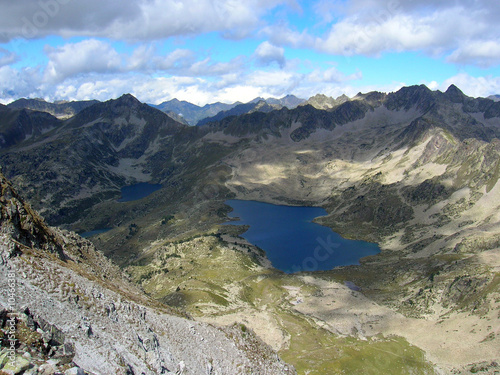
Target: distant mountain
[
  {"x": 289, "y": 101},
  {"x": 191, "y": 113},
  {"x": 495, "y": 98},
  {"x": 61, "y": 110},
  {"x": 196, "y": 115},
  {"x": 256, "y": 105},
  {"x": 17, "y": 125},
  {"x": 320, "y": 101}
]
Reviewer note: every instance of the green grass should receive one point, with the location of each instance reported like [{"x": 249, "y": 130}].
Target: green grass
[
  {"x": 208, "y": 277},
  {"x": 316, "y": 351}
]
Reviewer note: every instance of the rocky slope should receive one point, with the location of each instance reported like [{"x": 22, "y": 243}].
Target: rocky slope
[{"x": 72, "y": 308}]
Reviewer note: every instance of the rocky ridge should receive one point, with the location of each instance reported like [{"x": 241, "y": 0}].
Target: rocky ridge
[{"x": 62, "y": 110}]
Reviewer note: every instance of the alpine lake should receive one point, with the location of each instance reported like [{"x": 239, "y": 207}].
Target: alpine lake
[{"x": 292, "y": 241}]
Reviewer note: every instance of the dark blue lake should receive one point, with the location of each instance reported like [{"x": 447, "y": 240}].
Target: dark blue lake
[
  {"x": 292, "y": 242},
  {"x": 129, "y": 193},
  {"x": 94, "y": 232},
  {"x": 137, "y": 191}
]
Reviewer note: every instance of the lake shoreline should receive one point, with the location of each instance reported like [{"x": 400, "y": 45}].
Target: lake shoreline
[{"x": 291, "y": 238}]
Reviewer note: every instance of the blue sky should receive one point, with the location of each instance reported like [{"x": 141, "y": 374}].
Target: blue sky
[{"x": 205, "y": 51}]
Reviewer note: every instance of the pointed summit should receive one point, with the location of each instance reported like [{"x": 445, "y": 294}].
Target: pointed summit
[
  {"x": 321, "y": 101},
  {"x": 454, "y": 94},
  {"x": 128, "y": 99}
]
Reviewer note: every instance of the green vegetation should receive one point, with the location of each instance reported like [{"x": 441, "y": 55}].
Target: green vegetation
[
  {"x": 315, "y": 351},
  {"x": 212, "y": 278}
]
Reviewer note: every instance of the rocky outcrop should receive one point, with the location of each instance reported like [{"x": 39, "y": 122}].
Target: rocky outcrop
[{"x": 22, "y": 226}]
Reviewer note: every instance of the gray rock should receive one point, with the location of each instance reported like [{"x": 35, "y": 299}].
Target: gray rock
[{"x": 74, "y": 371}]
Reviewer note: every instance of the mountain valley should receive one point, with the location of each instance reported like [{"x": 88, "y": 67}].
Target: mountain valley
[{"x": 415, "y": 171}]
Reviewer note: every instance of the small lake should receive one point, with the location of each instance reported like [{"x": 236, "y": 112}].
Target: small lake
[
  {"x": 129, "y": 193},
  {"x": 137, "y": 191},
  {"x": 292, "y": 242}
]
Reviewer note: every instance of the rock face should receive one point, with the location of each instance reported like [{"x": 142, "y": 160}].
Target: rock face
[
  {"x": 23, "y": 226},
  {"x": 70, "y": 306}
]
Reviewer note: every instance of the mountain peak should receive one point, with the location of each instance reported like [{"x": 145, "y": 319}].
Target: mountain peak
[
  {"x": 454, "y": 94},
  {"x": 128, "y": 99}
]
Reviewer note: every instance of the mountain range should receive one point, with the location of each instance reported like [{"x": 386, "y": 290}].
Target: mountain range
[
  {"x": 415, "y": 170},
  {"x": 196, "y": 115},
  {"x": 61, "y": 109}
]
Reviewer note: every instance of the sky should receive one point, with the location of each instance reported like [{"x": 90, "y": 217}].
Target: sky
[{"x": 205, "y": 51}]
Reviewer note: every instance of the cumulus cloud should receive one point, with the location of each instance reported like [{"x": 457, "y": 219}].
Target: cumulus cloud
[
  {"x": 433, "y": 32},
  {"x": 483, "y": 53},
  {"x": 474, "y": 86},
  {"x": 178, "y": 59},
  {"x": 19, "y": 83},
  {"x": 266, "y": 53},
  {"x": 88, "y": 56},
  {"x": 281, "y": 34},
  {"x": 463, "y": 31},
  {"x": 332, "y": 75},
  {"x": 7, "y": 57},
  {"x": 94, "y": 57},
  {"x": 130, "y": 20}
]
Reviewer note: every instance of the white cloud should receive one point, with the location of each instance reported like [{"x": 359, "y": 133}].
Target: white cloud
[
  {"x": 88, "y": 56},
  {"x": 433, "y": 85},
  {"x": 433, "y": 33},
  {"x": 178, "y": 59},
  {"x": 466, "y": 32},
  {"x": 131, "y": 20},
  {"x": 282, "y": 35},
  {"x": 482, "y": 53},
  {"x": 332, "y": 75},
  {"x": 207, "y": 67},
  {"x": 142, "y": 58},
  {"x": 19, "y": 83},
  {"x": 94, "y": 57},
  {"x": 7, "y": 57},
  {"x": 266, "y": 53},
  {"x": 474, "y": 86}
]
